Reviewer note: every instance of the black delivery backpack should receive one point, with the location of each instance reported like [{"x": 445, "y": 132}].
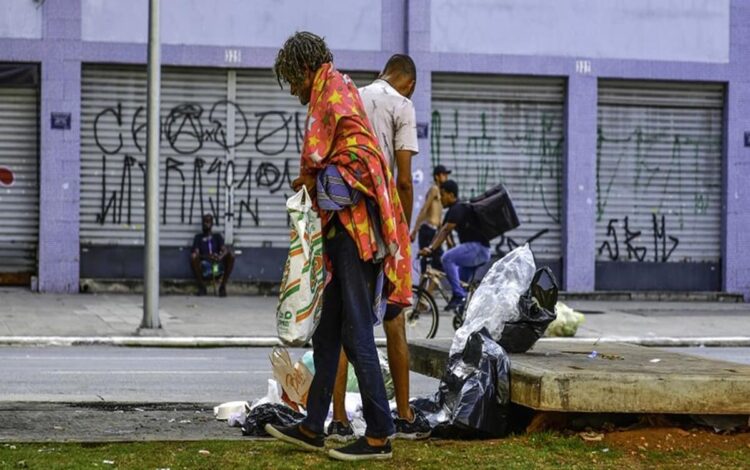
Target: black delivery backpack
[{"x": 495, "y": 212}]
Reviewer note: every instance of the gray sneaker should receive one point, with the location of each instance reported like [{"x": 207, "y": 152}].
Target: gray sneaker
[
  {"x": 412, "y": 430},
  {"x": 338, "y": 431},
  {"x": 361, "y": 450},
  {"x": 292, "y": 435}
]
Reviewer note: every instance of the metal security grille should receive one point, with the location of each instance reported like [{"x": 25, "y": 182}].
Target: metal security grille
[
  {"x": 113, "y": 143},
  {"x": 498, "y": 129},
  {"x": 19, "y": 187},
  {"x": 659, "y": 159},
  {"x": 230, "y": 147}
]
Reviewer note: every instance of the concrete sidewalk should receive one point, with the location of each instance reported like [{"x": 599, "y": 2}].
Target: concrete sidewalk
[{"x": 27, "y": 314}]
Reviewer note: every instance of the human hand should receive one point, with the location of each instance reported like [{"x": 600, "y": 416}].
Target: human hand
[
  {"x": 305, "y": 180},
  {"x": 425, "y": 252},
  {"x": 413, "y": 235}
]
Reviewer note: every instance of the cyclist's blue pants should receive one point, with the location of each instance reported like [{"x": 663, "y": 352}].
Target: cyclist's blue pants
[{"x": 459, "y": 263}]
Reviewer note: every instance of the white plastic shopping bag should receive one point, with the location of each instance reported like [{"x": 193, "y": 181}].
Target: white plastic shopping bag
[{"x": 301, "y": 296}]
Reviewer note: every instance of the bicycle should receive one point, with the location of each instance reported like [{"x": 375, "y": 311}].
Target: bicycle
[{"x": 422, "y": 319}]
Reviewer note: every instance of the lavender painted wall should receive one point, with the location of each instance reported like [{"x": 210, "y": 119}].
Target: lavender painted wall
[
  {"x": 21, "y": 19},
  {"x": 579, "y": 184},
  {"x": 580, "y": 145},
  {"x": 673, "y": 30},
  {"x": 418, "y": 47},
  {"x": 60, "y": 149},
  {"x": 353, "y": 25},
  {"x": 419, "y": 50},
  {"x": 736, "y": 230},
  {"x": 404, "y": 25}
]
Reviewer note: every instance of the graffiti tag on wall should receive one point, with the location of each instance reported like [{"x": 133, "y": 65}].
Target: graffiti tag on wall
[
  {"x": 665, "y": 182},
  {"x": 191, "y": 132},
  {"x": 485, "y": 153}
]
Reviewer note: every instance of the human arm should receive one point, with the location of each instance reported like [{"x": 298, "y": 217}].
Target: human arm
[
  {"x": 196, "y": 251},
  {"x": 404, "y": 184},
  {"x": 223, "y": 249},
  {"x": 445, "y": 230},
  {"x": 405, "y": 146}
]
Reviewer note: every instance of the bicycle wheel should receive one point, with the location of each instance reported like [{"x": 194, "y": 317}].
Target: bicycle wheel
[{"x": 422, "y": 317}]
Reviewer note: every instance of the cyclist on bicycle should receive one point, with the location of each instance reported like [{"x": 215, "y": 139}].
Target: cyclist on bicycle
[
  {"x": 428, "y": 220},
  {"x": 474, "y": 250}
]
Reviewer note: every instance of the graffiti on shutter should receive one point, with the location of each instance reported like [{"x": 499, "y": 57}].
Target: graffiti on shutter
[
  {"x": 239, "y": 171},
  {"x": 658, "y": 172},
  {"x": 492, "y": 129}
]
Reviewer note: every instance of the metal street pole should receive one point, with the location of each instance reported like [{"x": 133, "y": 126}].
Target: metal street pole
[{"x": 151, "y": 258}]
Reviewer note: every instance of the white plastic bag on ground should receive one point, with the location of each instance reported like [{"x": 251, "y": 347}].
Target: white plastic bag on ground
[
  {"x": 301, "y": 293},
  {"x": 272, "y": 396},
  {"x": 352, "y": 385},
  {"x": 353, "y": 404},
  {"x": 566, "y": 323},
  {"x": 495, "y": 301}
]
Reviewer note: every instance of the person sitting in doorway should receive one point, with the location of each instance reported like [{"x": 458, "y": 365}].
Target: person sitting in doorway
[
  {"x": 473, "y": 251},
  {"x": 211, "y": 258}
]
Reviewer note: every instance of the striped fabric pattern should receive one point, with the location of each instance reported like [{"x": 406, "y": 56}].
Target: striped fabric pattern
[{"x": 333, "y": 192}]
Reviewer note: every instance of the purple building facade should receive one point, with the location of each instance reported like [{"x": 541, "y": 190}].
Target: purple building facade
[{"x": 592, "y": 66}]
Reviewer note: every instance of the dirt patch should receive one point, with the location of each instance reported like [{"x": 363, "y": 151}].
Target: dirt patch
[{"x": 669, "y": 439}]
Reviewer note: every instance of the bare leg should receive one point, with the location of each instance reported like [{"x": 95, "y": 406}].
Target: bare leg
[
  {"x": 339, "y": 390},
  {"x": 398, "y": 361},
  {"x": 195, "y": 262},
  {"x": 228, "y": 266}
]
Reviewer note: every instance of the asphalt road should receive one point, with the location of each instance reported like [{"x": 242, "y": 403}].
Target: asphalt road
[
  {"x": 171, "y": 391},
  {"x": 143, "y": 375},
  {"x": 122, "y": 394}
]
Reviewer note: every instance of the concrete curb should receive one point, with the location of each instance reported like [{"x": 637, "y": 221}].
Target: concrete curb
[
  {"x": 144, "y": 341},
  {"x": 663, "y": 341},
  {"x": 270, "y": 341}
]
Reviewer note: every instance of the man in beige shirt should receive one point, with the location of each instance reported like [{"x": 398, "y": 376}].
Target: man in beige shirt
[
  {"x": 391, "y": 113},
  {"x": 429, "y": 217}
]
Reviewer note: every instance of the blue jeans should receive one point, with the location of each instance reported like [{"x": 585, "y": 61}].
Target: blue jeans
[
  {"x": 459, "y": 263},
  {"x": 346, "y": 321}
]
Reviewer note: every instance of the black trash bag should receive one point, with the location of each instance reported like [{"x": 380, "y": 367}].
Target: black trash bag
[
  {"x": 269, "y": 413},
  {"x": 473, "y": 399},
  {"x": 537, "y": 310}
]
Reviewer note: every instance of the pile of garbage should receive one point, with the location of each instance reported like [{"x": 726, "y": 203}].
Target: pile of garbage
[
  {"x": 511, "y": 309},
  {"x": 284, "y": 402}
]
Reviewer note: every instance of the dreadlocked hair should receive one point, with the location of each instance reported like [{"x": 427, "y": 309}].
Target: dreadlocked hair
[{"x": 301, "y": 51}]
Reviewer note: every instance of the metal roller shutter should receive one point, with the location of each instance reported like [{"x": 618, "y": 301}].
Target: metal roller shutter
[
  {"x": 113, "y": 141},
  {"x": 659, "y": 158},
  {"x": 498, "y": 129},
  {"x": 207, "y": 164},
  {"x": 19, "y": 187}
]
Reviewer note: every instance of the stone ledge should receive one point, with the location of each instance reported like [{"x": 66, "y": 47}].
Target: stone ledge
[{"x": 559, "y": 376}]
